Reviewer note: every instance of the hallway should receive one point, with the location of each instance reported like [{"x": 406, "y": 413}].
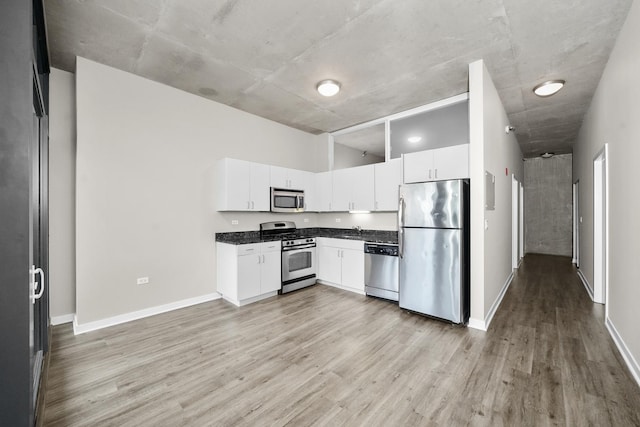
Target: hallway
[
  {"x": 567, "y": 364},
  {"x": 323, "y": 356}
]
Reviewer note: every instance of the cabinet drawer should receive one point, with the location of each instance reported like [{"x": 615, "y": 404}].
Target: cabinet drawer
[
  {"x": 271, "y": 246},
  {"x": 253, "y": 248}
]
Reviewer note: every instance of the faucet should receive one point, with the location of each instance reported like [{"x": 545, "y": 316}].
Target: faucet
[{"x": 357, "y": 228}]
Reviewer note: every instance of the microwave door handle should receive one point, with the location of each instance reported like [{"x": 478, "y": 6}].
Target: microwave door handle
[{"x": 299, "y": 201}]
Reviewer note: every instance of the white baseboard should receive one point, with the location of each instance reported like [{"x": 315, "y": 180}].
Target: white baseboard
[
  {"x": 632, "y": 363},
  {"x": 249, "y": 300},
  {"x": 585, "y": 283},
  {"x": 344, "y": 288},
  {"x": 477, "y": 324},
  {"x": 135, "y": 315},
  {"x": 59, "y": 320},
  {"x": 483, "y": 325}
]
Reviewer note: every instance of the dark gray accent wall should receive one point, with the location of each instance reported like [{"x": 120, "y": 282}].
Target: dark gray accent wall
[
  {"x": 15, "y": 133},
  {"x": 548, "y": 205}
]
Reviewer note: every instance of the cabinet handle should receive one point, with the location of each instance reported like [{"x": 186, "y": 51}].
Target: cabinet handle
[
  {"x": 248, "y": 205},
  {"x": 436, "y": 174},
  {"x": 429, "y": 173},
  {"x": 252, "y": 205}
]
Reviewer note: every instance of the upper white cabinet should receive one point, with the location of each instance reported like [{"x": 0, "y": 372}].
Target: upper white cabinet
[
  {"x": 323, "y": 195},
  {"x": 289, "y": 178},
  {"x": 388, "y": 177},
  {"x": 353, "y": 189},
  {"x": 437, "y": 165},
  {"x": 242, "y": 186}
]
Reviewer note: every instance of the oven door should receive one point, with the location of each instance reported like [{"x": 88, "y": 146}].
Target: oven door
[{"x": 298, "y": 262}]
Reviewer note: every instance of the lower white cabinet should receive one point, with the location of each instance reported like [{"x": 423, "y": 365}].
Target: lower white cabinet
[
  {"x": 341, "y": 263},
  {"x": 248, "y": 273}
]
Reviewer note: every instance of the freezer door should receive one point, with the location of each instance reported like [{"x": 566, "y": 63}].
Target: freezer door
[
  {"x": 431, "y": 204},
  {"x": 430, "y": 272}
]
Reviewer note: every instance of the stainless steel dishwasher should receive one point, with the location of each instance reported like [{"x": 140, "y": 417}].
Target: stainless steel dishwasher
[{"x": 381, "y": 270}]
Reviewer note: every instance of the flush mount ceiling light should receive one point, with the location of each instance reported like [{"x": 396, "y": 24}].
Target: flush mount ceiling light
[
  {"x": 548, "y": 88},
  {"x": 546, "y": 155},
  {"x": 328, "y": 87},
  {"x": 414, "y": 139}
]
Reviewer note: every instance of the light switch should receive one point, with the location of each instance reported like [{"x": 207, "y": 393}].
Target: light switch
[
  {"x": 486, "y": 224},
  {"x": 234, "y": 222}
]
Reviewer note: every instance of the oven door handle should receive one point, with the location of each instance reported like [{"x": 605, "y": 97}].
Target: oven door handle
[{"x": 288, "y": 249}]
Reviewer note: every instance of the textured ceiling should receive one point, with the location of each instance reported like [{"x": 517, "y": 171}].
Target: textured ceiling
[{"x": 265, "y": 57}]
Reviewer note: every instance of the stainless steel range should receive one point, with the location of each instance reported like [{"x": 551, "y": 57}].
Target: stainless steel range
[{"x": 298, "y": 255}]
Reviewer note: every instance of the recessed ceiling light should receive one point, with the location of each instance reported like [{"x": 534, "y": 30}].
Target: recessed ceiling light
[
  {"x": 328, "y": 87},
  {"x": 548, "y": 88},
  {"x": 414, "y": 139},
  {"x": 546, "y": 155}
]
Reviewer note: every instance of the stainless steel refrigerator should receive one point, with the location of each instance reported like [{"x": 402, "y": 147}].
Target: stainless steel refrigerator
[{"x": 433, "y": 239}]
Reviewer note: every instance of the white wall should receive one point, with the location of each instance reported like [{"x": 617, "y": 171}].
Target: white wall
[
  {"x": 493, "y": 150},
  {"x": 145, "y": 157},
  {"x": 62, "y": 154},
  {"x": 347, "y": 157},
  {"x": 613, "y": 118}
]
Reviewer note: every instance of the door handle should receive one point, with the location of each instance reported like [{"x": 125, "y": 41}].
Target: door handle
[{"x": 35, "y": 285}]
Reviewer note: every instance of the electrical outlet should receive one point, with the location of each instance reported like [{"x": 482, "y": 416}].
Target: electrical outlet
[
  {"x": 338, "y": 220},
  {"x": 306, "y": 220},
  {"x": 234, "y": 222},
  {"x": 142, "y": 280}
]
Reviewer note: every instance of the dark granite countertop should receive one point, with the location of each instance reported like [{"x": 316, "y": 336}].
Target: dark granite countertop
[{"x": 246, "y": 237}]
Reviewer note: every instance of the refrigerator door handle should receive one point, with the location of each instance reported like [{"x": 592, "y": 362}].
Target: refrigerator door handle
[{"x": 400, "y": 227}]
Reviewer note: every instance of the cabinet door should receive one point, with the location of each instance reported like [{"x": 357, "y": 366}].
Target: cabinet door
[
  {"x": 236, "y": 177},
  {"x": 297, "y": 179},
  {"x": 270, "y": 275},
  {"x": 311, "y": 199},
  {"x": 362, "y": 188},
  {"x": 248, "y": 276},
  {"x": 418, "y": 166},
  {"x": 388, "y": 177},
  {"x": 353, "y": 268},
  {"x": 324, "y": 191},
  {"x": 278, "y": 177},
  {"x": 260, "y": 191},
  {"x": 341, "y": 200},
  {"x": 329, "y": 264},
  {"x": 451, "y": 162}
]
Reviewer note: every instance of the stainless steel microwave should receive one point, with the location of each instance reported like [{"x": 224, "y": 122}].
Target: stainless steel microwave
[{"x": 287, "y": 200}]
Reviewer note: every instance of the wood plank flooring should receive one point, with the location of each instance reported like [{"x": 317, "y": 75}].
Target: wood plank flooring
[{"x": 326, "y": 357}]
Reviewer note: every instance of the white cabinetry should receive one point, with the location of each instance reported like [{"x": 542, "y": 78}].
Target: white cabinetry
[
  {"x": 323, "y": 194},
  {"x": 289, "y": 178},
  {"x": 248, "y": 273},
  {"x": 341, "y": 263},
  {"x": 388, "y": 177},
  {"x": 437, "y": 165},
  {"x": 353, "y": 189},
  {"x": 242, "y": 186}
]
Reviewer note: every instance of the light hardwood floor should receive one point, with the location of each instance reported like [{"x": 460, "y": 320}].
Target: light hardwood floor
[{"x": 322, "y": 356}]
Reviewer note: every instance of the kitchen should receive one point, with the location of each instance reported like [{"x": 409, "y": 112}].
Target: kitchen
[{"x": 241, "y": 257}]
